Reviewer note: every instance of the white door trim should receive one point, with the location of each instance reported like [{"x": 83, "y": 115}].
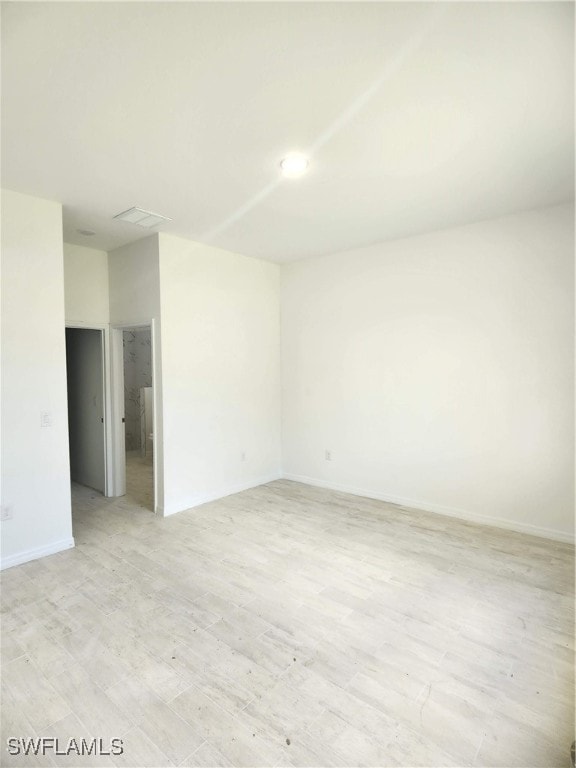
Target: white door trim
[{"x": 117, "y": 436}]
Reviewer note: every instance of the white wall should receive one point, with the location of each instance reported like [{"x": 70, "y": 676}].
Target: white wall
[
  {"x": 86, "y": 285},
  {"x": 438, "y": 370},
  {"x": 35, "y": 462},
  {"x": 134, "y": 285},
  {"x": 133, "y": 279},
  {"x": 221, "y": 371}
]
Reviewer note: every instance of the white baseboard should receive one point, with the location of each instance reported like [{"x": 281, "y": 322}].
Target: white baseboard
[
  {"x": 204, "y": 498},
  {"x": 462, "y": 514},
  {"x": 37, "y": 552}
]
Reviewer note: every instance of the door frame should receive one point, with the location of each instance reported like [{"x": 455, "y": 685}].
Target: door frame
[
  {"x": 106, "y": 400},
  {"x": 117, "y": 430}
]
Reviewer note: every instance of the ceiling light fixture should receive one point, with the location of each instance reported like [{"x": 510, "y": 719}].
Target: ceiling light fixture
[
  {"x": 141, "y": 217},
  {"x": 85, "y": 232},
  {"x": 293, "y": 165}
]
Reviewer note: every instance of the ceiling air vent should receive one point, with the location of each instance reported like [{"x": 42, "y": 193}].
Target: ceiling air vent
[{"x": 143, "y": 218}]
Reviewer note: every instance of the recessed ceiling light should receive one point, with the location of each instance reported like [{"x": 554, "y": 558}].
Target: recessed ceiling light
[
  {"x": 86, "y": 232},
  {"x": 293, "y": 165},
  {"x": 141, "y": 217}
]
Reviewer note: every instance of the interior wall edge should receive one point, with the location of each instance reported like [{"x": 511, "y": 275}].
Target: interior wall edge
[{"x": 439, "y": 509}]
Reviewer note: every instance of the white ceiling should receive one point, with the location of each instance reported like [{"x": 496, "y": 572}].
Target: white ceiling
[{"x": 417, "y": 116}]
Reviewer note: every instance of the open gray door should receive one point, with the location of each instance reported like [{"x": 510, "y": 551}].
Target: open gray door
[{"x": 84, "y": 361}]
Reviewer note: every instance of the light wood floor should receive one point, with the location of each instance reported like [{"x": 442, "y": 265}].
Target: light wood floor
[{"x": 289, "y": 625}]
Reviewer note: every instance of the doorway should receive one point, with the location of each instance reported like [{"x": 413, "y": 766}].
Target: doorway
[
  {"x": 100, "y": 457},
  {"x": 86, "y": 416},
  {"x": 138, "y": 414}
]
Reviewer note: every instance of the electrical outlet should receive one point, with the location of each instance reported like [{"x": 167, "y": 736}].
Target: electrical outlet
[
  {"x": 328, "y": 455},
  {"x": 45, "y": 419},
  {"x": 6, "y": 512}
]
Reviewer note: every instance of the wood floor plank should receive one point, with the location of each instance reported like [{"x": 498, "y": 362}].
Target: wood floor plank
[{"x": 291, "y": 625}]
